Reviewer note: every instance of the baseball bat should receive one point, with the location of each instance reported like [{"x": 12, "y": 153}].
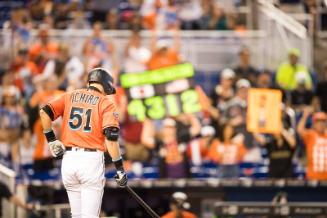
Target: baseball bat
[{"x": 142, "y": 203}]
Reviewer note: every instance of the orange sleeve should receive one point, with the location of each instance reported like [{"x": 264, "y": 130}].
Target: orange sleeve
[
  {"x": 110, "y": 116},
  {"x": 57, "y": 105},
  {"x": 307, "y": 136}
]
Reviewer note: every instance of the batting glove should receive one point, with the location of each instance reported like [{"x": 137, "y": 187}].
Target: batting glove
[
  {"x": 57, "y": 148},
  {"x": 121, "y": 178}
]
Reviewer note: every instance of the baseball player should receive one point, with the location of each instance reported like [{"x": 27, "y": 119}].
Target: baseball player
[{"x": 90, "y": 127}]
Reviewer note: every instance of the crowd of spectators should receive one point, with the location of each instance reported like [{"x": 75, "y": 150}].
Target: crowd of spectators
[
  {"x": 44, "y": 69},
  {"x": 125, "y": 14}
]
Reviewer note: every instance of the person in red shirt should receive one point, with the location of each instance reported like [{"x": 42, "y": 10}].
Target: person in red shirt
[
  {"x": 179, "y": 207},
  {"x": 315, "y": 140}
]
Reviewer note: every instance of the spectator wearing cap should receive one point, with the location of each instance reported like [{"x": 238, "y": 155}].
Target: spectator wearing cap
[
  {"x": 179, "y": 207},
  {"x": 321, "y": 91},
  {"x": 164, "y": 54},
  {"x": 235, "y": 109},
  {"x": 244, "y": 69},
  {"x": 302, "y": 96},
  {"x": 287, "y": 71},
  {"x": 224, "y": 91},
  {"x": 315, "y": 140}
]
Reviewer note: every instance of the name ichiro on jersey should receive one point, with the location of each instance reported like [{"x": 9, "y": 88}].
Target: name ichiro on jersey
[{"x": 84, "y": 98}]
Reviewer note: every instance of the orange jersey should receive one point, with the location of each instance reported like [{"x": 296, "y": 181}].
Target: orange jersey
[
  {"x": 316, "y": 155},
  {"x": 226, "y": 153},
  {"x": 169, "y": 58},
  {"x": 85, "y": 114},
  {"x": 185, "y": 214}
]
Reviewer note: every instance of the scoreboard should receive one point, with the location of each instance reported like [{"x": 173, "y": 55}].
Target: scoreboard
[{"x": 163, "y": 92}]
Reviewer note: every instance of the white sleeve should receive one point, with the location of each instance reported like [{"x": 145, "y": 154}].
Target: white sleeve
[{"x": 49, "y": 69}]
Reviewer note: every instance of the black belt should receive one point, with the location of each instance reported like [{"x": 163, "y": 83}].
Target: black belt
[{"x": 83, "y": 149}]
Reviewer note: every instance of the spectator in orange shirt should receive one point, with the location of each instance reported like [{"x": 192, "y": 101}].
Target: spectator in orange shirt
[
  {"x": 24, "y": 70},
  {"x": 43, "y": 49},
  {"x": 43, "y": 160},
  {"x": 228, "y": 153},
  {"x": 315, "y": 140},
  {"x": 179, "y": 207},
  {"x": 164, "y": 55}
]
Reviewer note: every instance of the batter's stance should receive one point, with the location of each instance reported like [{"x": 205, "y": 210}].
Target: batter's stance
[{"x": 90, "y": 127}]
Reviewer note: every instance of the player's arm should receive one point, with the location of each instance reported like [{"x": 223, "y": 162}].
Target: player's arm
[
  {"x": 112, "y": 135},
  {"x": 56, "y": 146},
  {"x": 49, "y": 113}
]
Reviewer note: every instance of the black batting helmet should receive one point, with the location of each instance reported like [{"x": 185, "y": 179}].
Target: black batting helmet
[{"x": 101, "y": 76}]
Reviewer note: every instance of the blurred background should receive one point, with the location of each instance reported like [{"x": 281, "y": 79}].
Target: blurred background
[{"x": 222, "y": 100}]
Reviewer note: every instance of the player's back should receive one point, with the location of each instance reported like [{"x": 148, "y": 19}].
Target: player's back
[{"x": 86, "y": 113}]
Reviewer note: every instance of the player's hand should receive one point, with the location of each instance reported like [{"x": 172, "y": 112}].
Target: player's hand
[
  {"x": 57, "y": 148},
  {"x": 121, "y": 178}
]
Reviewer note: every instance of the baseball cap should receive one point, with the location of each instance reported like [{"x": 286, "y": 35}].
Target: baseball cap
[
  {"x": 180, "y": 198},
  {"x": 207, "y": 131},
  {"x": 301, "y": 77},
  {"x": 319, "y": 116},
  {"x": 162, "y": 43},
  {"x": 169, "y": 122},
  {"x": 243, "y": 83},
  {"x": 227, "y": 73},
  {"x": 294, "y": 51}
]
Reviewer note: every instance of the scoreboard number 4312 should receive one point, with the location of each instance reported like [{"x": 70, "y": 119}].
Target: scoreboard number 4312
[{"x": 158, "y": 107}]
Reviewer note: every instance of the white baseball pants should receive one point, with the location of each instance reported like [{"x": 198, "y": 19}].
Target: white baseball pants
[{"x": 83, "y": 177}]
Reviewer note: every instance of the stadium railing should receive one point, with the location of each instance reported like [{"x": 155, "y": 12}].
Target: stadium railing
[
  {"x": 284, "y": 32},
  {"x": 8, "y": 177}
]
